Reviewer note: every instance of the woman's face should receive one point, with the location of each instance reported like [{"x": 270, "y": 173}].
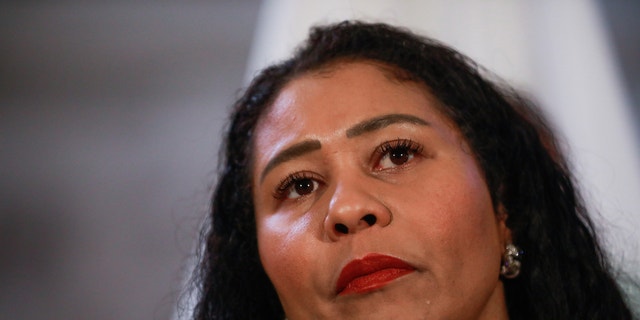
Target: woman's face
[{"x": 370, "y": 205}]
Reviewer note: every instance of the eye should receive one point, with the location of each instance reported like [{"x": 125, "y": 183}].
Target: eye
[
  {"x": 296, "y": 185},
  {"x": 393, "y": 154}
]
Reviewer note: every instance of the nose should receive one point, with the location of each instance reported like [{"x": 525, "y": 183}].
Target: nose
[{"x": 353, "y": 208}]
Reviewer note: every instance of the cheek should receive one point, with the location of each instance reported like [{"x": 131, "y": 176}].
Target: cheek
[
  {"x": 455, "y": 210},
  {"x": 469, "y": 217},
  {"x": 472, "y": 229},
  {"x": 284, "y": 249}
]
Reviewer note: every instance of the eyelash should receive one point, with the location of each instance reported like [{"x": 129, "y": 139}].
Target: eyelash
[
  {"x": 398, "y": 144},
  {"x": 283, "y": 188}
]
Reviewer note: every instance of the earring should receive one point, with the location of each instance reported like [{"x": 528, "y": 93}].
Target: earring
[{"x": 511, "y": 261}]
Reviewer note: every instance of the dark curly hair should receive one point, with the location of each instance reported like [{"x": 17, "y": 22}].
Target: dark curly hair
[{"x": 565, "y": 274}]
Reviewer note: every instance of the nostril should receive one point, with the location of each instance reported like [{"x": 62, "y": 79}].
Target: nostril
[
  {"x": 342, "y": 228},
  {"x": 370, "y": 219}
]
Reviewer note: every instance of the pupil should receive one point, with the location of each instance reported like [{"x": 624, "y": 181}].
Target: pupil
[
  {"x": 399, "y": 156},
  {"x": 304, "y": 186}
]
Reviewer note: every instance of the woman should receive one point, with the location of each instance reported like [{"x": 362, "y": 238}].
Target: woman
[{"x": 378, "y": 175}]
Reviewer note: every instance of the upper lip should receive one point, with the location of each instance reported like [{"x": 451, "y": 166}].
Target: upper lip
[{"x": 367, "y": 265}]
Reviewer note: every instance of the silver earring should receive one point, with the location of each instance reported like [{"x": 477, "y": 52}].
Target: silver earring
[{"x": 511, "y": 261}]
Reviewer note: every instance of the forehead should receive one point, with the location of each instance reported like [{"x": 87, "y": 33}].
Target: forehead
[
  {"x": 324, "y": 104},
  {"x": 345, "y": 92}
]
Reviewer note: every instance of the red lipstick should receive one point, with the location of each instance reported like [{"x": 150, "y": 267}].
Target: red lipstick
[{"x": 371, "y": 272}]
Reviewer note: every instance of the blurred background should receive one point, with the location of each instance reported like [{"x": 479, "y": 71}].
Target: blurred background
[{"x": 111, "y": 115}]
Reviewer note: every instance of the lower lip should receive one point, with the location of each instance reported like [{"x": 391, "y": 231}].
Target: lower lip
[{"x": 374, "y": 280}]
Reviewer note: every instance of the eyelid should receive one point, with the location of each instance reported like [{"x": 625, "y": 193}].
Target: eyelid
[
  {"x": 284, "y": 186},
  {"x": 387, "y": 146}
]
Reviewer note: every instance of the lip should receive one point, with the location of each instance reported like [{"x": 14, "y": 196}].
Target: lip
[{"x": 370, "y": 273}]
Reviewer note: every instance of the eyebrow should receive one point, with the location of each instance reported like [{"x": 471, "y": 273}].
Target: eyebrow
[
  {"x": 289, "y": 153},
  {"x": 363, "y": 127},
  {"x": 380, "y": 122}
]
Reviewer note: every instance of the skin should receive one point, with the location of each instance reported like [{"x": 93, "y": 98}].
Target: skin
[{"x": 432, "y": 208}]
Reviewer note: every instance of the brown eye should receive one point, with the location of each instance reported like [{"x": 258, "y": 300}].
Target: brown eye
[
  {"x": 395, "y": 158},
  {"x": 297, "y": 185},
  {"x": 396, "y": 153},
  {"x": 304, "y": 186},
  {"x": 400, "y": 156}
]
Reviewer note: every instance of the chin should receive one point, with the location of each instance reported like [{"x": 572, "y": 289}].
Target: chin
[
  {"x": 370, "y": 310},
  {"x": 386, "y": 303}
]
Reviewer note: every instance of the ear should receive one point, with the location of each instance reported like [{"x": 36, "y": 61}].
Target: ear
[{"x": 503, "y": 231}]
